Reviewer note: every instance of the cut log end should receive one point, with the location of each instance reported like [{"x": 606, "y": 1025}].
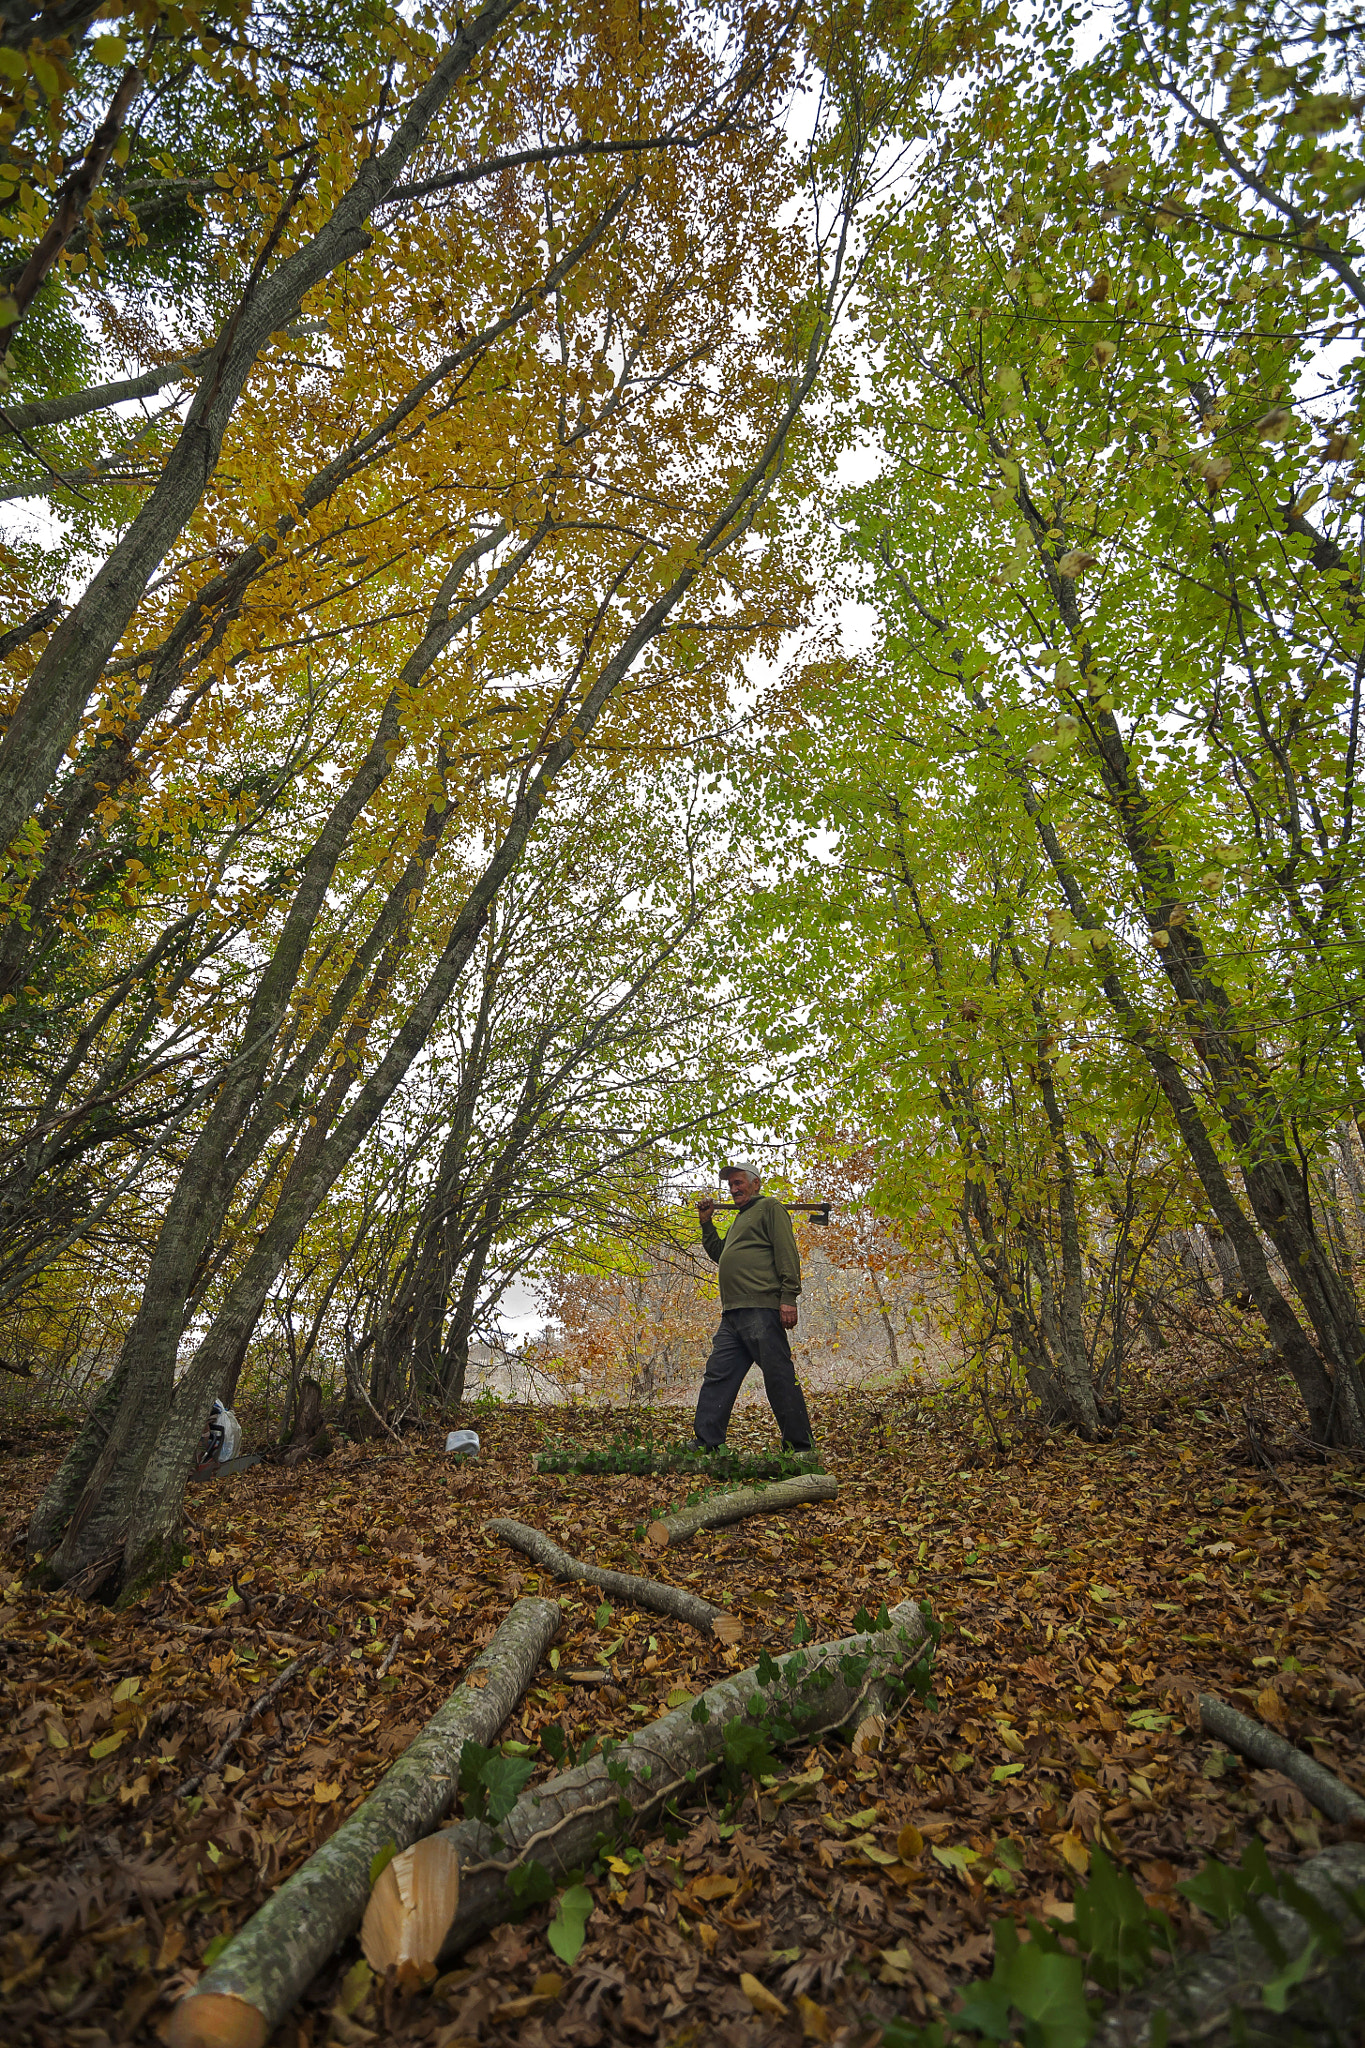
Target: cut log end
[
  {"x": 215, "y": 2020},
  {"x": 726, "y": 1629},
  {"x": 412, "y": 1906}
]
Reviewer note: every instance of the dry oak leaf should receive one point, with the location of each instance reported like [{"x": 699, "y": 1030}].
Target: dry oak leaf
[
  {"x": 1270, "y": 1707},
  {"x": 761, "y": 1999},
  {"x": 477, "y": 1680},
  {"x": 814, "y": 2019}
]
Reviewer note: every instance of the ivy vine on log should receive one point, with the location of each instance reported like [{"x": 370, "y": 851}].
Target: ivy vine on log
[{"x": 730, "y": 1728}]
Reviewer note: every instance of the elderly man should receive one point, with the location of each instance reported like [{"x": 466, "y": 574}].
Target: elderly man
[{"x": 760, "y": 1278}]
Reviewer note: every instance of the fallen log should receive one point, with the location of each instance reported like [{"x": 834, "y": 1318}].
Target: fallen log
[
  {"x": 559, "y": 1825},
  {"x": 1210, "y": 1996},
  {"x": 719, "y": 1509},
  {"x": 1262, "y": 1746},
  {"x": 270, "y": 1961},
  {"x": 673, "y": 1601}
]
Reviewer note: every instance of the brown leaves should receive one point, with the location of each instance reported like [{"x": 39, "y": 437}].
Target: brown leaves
[
  {"x": 1270, "y": 1707},
  {"x": 1076, "y": 1699}
]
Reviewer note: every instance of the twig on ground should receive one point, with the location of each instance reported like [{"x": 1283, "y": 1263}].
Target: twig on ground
[
  {"x": 253, "y": 1713},
  {"x": 1261, "y": 1745},
  {"x": 233, "y": 1628},
  {"x": 389, "y": 1656}
]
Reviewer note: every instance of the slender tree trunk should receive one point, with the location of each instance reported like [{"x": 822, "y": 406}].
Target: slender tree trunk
[
  {"x": 893, "y": 1349},
  {"x": 1225, "y": 1258},
  {"x": 130, "y": 1506},
  {"x": 1348, "y": 1146},
  {"x": 1331, "y": 1421},
  {"x": 455, "y": 1356},
  {"x": 1071, "y": 1353}
]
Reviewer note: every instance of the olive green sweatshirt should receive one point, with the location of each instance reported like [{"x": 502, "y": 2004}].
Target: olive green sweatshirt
[{"x": 760, "y": 1266}]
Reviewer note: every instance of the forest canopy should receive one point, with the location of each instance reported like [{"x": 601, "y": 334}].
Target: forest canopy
[{"x": 584, "y": 585}]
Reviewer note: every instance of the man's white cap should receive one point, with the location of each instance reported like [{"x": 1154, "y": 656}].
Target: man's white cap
[{"x": 740, "y": 1166}]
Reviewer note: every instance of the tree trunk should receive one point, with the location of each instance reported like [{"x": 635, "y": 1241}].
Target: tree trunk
[
  {"x": 559, "y": 1824},
  {"x": 1214, "y": 1997},
  {"x": 893, "y": 1349},
  {"x": 1070, "y": 1352},
  {"x": 1348, "y": 1147},
  {"x": 270, "y": 1962},
  {"x": 1229, "y": 1268}
]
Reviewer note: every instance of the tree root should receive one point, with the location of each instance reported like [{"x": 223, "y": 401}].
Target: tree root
[
  {"x": 269, "y": 1963},
  {"x": 624, "y": 1586},
  {"x": 718, "y": 1509},
  {"x": 1261, "y": 1745}
]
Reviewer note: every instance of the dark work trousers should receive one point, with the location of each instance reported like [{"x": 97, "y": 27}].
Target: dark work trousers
[{"x": 751, "y": 1336}]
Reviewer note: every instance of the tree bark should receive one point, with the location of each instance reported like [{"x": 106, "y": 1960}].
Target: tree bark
[
  {"x": 1261, "y": 1745},
  {"x": 647, "y": 1593},
  {"x": 1210, "y": 1997},
  {"x": 270, "y": 1962},
  {"x": 130, "y": 1508},
  {"x": 720, "y": 1509},
  {"x": 558, "y": 1825}
]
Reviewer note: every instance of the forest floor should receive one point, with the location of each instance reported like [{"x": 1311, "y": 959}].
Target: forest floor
[{"x": 1085, "y": 1594}]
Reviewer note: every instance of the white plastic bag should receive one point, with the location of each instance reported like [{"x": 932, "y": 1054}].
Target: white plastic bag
[
  {"x": 232, "y": 1436},
  {"x": 463, "y": 1442}
]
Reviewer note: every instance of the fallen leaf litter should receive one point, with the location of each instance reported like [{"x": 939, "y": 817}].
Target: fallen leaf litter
[{"x": 1086, "y": 1596}]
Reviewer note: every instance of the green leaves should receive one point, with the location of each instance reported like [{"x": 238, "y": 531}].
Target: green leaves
[
  {"x": 568, "y": 1929},
  {"x": 1113, "y": 1922},
  {"x": 1035, "y": 1981},
  {"x": 491, "y": 1783},
  {"x": 748, "y": 1752}
]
